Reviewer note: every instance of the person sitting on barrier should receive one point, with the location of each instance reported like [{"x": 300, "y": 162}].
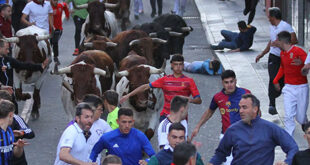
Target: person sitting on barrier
[
  {"x": 237, "y": 41},
  {"x": 209, "y": 67}
]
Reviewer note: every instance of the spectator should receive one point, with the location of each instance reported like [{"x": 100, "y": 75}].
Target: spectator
[
  {"x": 138, "y": 8},
  {"x": 110, "y": 103},
  {"x": 176, "y": 135},
  {"x": 125, "y": 142},
  {"x": 172, "y": 85},
  {"x": 58, "y": 8},
  {"x": 296, "y": 89},
  {"x": 111, "y": 160},
  {"x": 264, "y": 135},
  {"x": 185, "y": 154},
  {"x": 178, "y": 113},
  {"x": 277, "y": 26},
  {"x": 40, "y": 14},
  {"x": 9, "y": 147},
  {"x": 237, "y": 41},
  {"x": 250, "y": 7},
  {"x": 209, "y": 67},
  {"x": 17, "y": 8},
  {"x": 20, "y": 129},
  {"x": 159, "y": 5},
  {"x": 179, "y": 7},
  {"x": 5, "y": 20},
  {"x": 227, "y": 101},
  {"x": 73, "y": 146},
  {"x": 79, "y": 17},
  {"x": 303, "y": 157}
]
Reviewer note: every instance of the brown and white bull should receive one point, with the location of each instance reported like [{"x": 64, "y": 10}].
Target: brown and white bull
[
  {"x": 129, "y": 40},
  {"x": 148, "y": 104},
  {"x": 87, "y": 74},
  {"x": 31, "y": 45},
  {"x": 99, "y": 20}
]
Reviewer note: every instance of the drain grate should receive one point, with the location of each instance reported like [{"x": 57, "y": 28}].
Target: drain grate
[
  {"x": 190, "y": 17},
  {"x": 260, "y": 65}
]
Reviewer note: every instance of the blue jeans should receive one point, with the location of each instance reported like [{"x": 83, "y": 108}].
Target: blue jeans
[
  {"x": 179, "y": 7},
  {"x": 230, "y": 40},
  {"x": 138, "y": 6}
]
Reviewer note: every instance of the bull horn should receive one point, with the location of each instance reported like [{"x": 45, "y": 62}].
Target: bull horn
[
  {"x": 43, "y": 37},
  {"x": 64, "y": 70},
  {"x": 175, "y": 34},
  {"x": 111, "y": 44},
  {"x": 134, "y": 42},
  {"x": 158, "y": 40},
  {"x": 119, "y": 74},
  {"x": 12, "y": 39},
  {"x": 168, "y": 28},
  {"x": 153, "y": 34},
  {"x": 83, "y": 6},
  {"x": 67, "y": 86},
  {"x": 88, "y": 44},
  {"x": 100, "y": 72},
  {"x": 187, "y": 29},
  {"x": 111, "y": 5},
  {"x": 160, "y": 70}
]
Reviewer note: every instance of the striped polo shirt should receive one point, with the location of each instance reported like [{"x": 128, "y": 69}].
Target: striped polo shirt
[
  {"x": 6, "y": 146},
  {"x": 172, "y": 86}
]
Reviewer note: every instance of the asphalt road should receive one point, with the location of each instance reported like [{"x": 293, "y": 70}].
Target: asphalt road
[{"x": 49, "y": 127}]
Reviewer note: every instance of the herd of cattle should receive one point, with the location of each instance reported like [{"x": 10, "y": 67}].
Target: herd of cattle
[{"x": 109, "y": 59}]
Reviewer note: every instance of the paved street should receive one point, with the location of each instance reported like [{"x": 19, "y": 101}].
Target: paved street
[{"x": 48, "y": 128}]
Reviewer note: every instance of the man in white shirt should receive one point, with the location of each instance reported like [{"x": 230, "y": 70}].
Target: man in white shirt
[
  {"x": 40, "y": 14},
  {"x": 277, "y": 26},
  {"x": 99, "y": 126},
  {"x": 73, "y": 146},
  {"x": 178, "y": 113}
]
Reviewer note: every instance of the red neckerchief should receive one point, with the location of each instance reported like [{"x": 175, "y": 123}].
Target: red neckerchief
[{"x": 39, "y": 3}]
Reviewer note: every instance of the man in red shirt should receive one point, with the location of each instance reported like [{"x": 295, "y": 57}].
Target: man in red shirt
[
  {"x": 172, "y": 85},
  {"x": 296, "y": 89},
  {"x": 5, "y": 20},
  {"x": 58, "y": 8}
]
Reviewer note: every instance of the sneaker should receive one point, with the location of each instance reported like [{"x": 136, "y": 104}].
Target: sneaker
[
  {"x": 272, "y": 110},
  {"x": 303, "y": 127},
  {"x": 76, "y": 52},
  {"x": 215, "y": 47},
  {"x": 136, "y": 17},
  {"x": 56, "y": 61},
  {"x": 153, "y": 14}
]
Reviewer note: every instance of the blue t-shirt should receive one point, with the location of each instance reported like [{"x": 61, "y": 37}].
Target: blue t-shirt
[{"x": 128, "y": 147}]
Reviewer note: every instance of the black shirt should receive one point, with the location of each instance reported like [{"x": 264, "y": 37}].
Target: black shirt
[
  {"x": 302, "y": 158},
  {"x": 6, "y": 78}
]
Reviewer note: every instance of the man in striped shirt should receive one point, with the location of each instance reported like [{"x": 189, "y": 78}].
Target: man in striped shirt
[
  {"x": 7, "y": 144},
  {"x": 172, "y": 85}
]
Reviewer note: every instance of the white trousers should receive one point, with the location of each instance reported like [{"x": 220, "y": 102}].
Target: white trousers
[
  {"x": 296, "y": 100},
  {"x": 179, "y": 7},
  {"x": 228, "y": 158}
]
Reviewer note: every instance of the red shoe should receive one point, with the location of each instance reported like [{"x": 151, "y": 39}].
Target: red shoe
[{"x": 76, "y": 52}]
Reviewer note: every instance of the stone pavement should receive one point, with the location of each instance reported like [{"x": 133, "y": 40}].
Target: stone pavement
[{"x": 217, "y": 15}]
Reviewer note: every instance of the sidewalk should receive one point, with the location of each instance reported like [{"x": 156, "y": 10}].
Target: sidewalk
[{"x": 218, "y": 15}]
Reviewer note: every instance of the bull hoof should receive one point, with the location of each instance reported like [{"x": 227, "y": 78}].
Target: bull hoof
[
  {"x": 149, "y": 133},
  {"x": 35, "y": 115}
]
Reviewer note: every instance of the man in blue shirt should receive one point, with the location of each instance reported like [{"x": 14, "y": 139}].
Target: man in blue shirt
[
  {"x": 237, "y": 41},
  {"x": 125, "y": 141},
  {"x": 253, "y": 140}
]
